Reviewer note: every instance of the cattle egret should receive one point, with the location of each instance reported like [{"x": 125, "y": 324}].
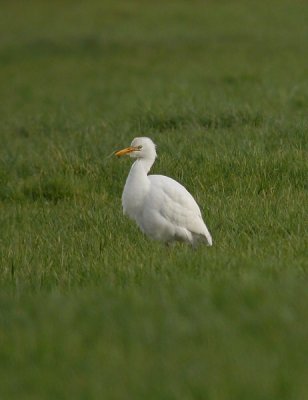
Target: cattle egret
[{"x": 162, "y": 208}]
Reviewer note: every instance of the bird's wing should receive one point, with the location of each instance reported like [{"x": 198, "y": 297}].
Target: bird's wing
[{"x": 175, "y": 204}]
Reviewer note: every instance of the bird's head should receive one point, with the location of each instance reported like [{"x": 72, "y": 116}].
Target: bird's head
[{"x": 141, "y": 147}]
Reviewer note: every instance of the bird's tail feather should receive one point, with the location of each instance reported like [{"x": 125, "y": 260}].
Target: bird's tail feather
[{"x": 208, "y": 236}]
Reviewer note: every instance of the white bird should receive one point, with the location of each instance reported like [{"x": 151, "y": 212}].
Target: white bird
[{"x": 162, "y": 208}]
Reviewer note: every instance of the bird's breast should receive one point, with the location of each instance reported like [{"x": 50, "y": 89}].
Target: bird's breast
[{"x": 133, "y": 199}]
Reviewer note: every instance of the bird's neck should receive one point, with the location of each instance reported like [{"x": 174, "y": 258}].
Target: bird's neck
[
  {"x": 145, "y": 164},
  {"x": 138, "y": 173},
  {"x": 136, "y": 188},
  {"x": 142, "y": 166}
]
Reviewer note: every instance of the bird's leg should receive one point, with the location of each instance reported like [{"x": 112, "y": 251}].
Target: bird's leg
[{"x": 169, "y": 245}]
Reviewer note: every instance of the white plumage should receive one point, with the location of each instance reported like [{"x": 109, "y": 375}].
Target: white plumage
[{"x": 162, "y": 208}]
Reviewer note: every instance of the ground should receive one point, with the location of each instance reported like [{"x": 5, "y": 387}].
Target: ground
[{"x": 89, "y": 307}]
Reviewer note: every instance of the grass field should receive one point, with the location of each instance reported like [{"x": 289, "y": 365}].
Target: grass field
[{"x": 89, "y": 307}]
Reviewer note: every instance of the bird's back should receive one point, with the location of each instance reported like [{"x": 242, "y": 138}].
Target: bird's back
[
  {"x": 174, "y": 204},
  {"x": 175, "y": 192}
]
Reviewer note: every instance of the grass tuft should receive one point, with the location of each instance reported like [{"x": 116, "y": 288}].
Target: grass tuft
[
  {"x": 160, "y": 122},
  {"x": 49, "y": 189}
]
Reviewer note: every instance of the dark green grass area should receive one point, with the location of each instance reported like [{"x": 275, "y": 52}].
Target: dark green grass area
[{"x": 89, "y": 307}]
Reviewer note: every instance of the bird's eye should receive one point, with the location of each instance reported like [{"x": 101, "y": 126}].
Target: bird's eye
[{"x": 139, "y": 147}]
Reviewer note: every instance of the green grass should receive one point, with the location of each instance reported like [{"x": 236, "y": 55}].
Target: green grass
[{"x": 89, "y": 307}]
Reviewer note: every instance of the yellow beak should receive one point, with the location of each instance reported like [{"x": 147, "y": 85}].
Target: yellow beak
[{"x": 128, "y": 150}]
